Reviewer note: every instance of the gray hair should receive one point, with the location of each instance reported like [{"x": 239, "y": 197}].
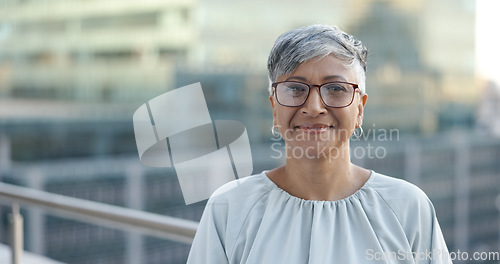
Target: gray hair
[{"x": 316, "y": 41}]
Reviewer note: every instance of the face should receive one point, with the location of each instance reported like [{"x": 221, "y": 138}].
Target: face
[{"x": 315, "y": 127}]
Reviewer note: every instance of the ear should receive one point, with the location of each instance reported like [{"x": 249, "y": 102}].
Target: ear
[
  {"x": 271, "y": 99},
  {"x": 361, "y": 108}
]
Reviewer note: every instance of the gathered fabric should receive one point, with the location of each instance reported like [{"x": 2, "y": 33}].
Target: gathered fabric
[{"x": 253, "y": 221}]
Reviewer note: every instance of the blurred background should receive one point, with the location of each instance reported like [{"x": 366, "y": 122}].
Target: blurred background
[{"x": 72, "y": 73}]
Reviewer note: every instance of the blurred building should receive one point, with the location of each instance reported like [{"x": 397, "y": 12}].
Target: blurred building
[
  {"x": 421, "y": 64},
  {"x": 93, "y": 50},
  {"x": 488, "y": 115},
  {"x": 114, "y": 51},
  {"x": 420, "y": 68}
]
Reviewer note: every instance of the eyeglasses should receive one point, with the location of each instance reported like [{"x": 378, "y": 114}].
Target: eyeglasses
[{"x": 333, "y": 94}]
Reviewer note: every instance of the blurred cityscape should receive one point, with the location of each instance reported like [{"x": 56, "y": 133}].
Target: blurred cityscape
[{"x": 72, "y": 73}]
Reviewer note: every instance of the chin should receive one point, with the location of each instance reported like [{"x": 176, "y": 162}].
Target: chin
[{"x": 315, "y": 150}]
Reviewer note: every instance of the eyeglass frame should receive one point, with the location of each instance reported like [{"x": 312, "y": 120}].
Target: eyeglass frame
[{"x": 355, "y": 86}]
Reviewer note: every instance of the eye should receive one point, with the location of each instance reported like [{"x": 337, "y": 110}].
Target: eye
[
  {"x": 335, "y": 88},
  {"x": 296, "y": 90}
]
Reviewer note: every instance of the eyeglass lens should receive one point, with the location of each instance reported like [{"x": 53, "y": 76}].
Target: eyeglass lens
[{"x": 333, "y": 94}]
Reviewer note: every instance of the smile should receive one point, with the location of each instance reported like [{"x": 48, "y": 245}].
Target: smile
[{"x": 315, "y": 128}]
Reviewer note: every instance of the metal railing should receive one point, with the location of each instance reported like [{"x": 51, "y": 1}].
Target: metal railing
[{"x": 171, "y": 228}]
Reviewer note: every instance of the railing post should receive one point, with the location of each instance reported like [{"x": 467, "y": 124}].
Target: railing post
[
  {"x": 16, "y": 235},
  {"x": 134, "y": 200},
  {"x": 5, "y": 164},
  {"x": 36, "y": 217}
]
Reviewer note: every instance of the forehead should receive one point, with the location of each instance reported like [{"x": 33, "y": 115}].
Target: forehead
[{"x": 322, "y": 69}]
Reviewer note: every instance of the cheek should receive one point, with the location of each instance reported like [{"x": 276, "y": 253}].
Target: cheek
[
  {"x": 283, "y": 116},
  {"x": 281, "y": 122},
  {"x": 349, "y": 117}
]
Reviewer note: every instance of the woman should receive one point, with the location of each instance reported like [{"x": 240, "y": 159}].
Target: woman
[{"x": 318, "y": 207}]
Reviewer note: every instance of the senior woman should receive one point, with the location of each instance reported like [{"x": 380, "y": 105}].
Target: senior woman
[{"x": 318, "y": 207}]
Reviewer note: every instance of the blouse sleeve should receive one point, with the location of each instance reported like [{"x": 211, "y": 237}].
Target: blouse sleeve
[
  {"x": 431, "y": 239},
  {"x": 209, "y": 242},
  {"x": 425, "y": 236}
]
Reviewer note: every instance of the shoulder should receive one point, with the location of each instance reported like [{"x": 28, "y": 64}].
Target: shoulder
[
  {"x": 241, "y": 190},
  {"x": 223, "y": 218},
  {"x": 231, "y": 204},
  {"x": 405, "y": 199},
  {"x": 413, "y": 210},
  {"x": 394, "y": 188}
]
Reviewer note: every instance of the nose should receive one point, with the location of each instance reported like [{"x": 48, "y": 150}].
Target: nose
[{"x": 314, "y": 106}]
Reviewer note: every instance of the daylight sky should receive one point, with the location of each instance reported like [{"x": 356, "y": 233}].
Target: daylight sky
[{"x": 488, "y": 40}]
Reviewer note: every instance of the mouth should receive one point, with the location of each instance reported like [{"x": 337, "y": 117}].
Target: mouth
[{"x": 313, "y": 128}]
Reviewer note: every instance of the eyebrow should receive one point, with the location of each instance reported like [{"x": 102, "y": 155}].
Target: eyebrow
[
  {"x": 300, "y": 78},
  {"x": 334, "y": 77},
  {"x": 326, "y": 78}
]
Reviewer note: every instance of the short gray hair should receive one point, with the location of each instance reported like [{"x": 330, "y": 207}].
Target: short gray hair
[{"x": 316, "y": 41}]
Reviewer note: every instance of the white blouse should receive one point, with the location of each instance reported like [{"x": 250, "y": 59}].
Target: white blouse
[{"x": 253, "y": 221}]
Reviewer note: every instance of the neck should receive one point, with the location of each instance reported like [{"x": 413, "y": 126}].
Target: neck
[{"x": 325, "y": 179}]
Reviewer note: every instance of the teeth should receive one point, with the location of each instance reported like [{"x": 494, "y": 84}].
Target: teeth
[
  {"x": 314, "y": 128},
  {"x": 325, "y": 128}
]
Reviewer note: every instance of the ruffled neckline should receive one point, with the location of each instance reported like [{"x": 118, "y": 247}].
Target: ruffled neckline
[{"x": 355, "y": 195}]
